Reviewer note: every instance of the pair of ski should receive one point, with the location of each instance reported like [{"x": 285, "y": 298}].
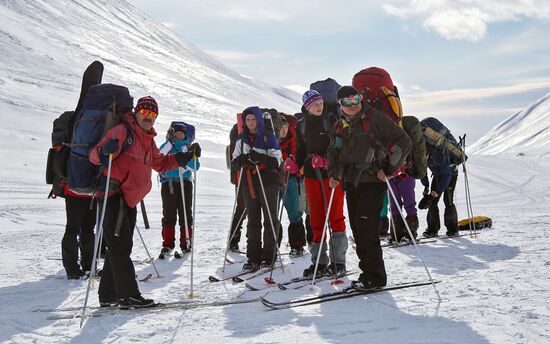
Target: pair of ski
[
  {"x": 297, "y": 282},
  {"x": 73, "y": 312},
  {"x": 347, "y": 292},
  {"x": 243, "y": 275}
]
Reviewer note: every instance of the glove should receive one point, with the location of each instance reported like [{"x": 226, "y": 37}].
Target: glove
[
  {"x": 426, "y": 201},
  {"x": 110, "y": 147},
  {"x": 257, "y": 158},
  {"x": 319, "y": 162},
  {"x": 195, "y": 147},
  {"x": 183, "y": 158},
  {"x": 290, "y": 166},
  {"x": 170, "y": 134},
  {"x": 239, "y": 161}
]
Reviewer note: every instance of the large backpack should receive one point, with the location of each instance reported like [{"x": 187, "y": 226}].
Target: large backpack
[
  {"x": 440, "y": 137},
  {"x": 102, "y": 109},
  {"x": 274, "y": 124},
  {"x": 327, "y": 88},
  {"x": 417, "y": 156},
  {"x": 63, "y": 126},
  {"x": 377, "y": 89},
  {"x": 56, "y": 168}
]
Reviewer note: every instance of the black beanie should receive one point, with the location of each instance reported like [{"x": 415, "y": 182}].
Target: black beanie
[{"x": 346, "y": 91}]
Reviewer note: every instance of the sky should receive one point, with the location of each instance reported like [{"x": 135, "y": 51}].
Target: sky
[{"x": 469, "y": 63}]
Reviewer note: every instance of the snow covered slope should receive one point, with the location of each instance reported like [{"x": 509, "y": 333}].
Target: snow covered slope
[
  {"x": 46, "y": 45},
  {"x": 526, "y": 132}
]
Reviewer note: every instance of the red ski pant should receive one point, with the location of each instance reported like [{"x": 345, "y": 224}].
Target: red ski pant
[{"x": 317, "y": 208}]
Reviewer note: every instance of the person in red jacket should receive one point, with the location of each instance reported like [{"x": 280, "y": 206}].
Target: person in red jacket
[{"x": 130, "y": 182}]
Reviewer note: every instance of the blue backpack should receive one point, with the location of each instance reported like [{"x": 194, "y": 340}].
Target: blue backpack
[
  {"x": 327, "y": 89},
  {"x": 102, "y": 109}
]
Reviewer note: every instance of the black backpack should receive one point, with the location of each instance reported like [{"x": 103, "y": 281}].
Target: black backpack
[{"x": 58, "y": 155}]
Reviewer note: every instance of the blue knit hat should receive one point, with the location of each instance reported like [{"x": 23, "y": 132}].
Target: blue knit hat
[{"x": 309, "y": 97}]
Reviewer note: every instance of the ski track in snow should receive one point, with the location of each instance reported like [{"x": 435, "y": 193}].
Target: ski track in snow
[{"x": 494, "y": 287}]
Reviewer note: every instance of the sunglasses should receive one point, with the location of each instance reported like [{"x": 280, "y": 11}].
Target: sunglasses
[
  {"x": 351, "y": 100},
  {"x": 148, "y": 113}
]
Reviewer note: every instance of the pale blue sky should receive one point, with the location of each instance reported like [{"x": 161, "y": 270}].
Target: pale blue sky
[{"x": 462, "y": 59}]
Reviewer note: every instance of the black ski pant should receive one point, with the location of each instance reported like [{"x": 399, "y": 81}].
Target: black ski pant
[
  {"x": 364, "y": 205},
  {"x": 240, "y": 211},
  {"x": 172, "y": 206},
  {"x": 118, "y": 277},
  {"x": 450, "y": 216},
  {"x": 79, "y": 232},
  {"x": 254, "y": 208}
]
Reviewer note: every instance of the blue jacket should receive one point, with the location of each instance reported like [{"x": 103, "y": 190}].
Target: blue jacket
[
  {"x": 178, "y": 146},
  {"x": 440, "y": 165}
]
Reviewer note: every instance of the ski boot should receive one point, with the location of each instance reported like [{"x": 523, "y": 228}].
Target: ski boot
[
  {"x": 136, "y": 302},
  {"x": 338, "y": 270},
  {"x": 165, "y": 251},
  {"x": 251, "y": 266},
  {"x": 451, "y": 233},
  {"x": 429, "y": 234},
  {"x": 234, "y": 247},
  {"x": 365, "y": 284},
  {"x": 321, "y": 271},
  {"x": 296, "y": 252}
]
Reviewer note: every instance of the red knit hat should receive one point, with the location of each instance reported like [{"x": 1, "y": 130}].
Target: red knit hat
[{"x": 147, "y": 103}]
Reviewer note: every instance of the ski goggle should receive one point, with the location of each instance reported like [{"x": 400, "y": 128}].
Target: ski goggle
[
  {"x": 148, "y": 113},
  {"x": 351, "y": 100}
]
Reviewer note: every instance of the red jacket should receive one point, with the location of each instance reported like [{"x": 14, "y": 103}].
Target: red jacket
[{"x": 132, "y": 168}]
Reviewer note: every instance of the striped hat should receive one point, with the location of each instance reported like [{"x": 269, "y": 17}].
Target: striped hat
[
  {"x": 309, "y": 97},
  {"x": 147, "y": 103}
]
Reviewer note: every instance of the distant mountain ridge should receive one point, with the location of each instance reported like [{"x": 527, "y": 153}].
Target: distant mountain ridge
[
  {"x": 46, "y": 45},
  {"x": 526, "y": 132}
]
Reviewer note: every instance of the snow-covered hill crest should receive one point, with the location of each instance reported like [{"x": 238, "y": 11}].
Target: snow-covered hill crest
[
  {"x": 46, "y": 45},
  {"x": 526, "y": 133}
]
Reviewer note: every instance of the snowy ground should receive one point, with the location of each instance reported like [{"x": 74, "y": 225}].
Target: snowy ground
[{"x": 494, "y": 287}]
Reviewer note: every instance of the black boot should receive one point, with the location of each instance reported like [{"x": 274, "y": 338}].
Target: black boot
[
  {"x": 383, "y": 226},
  {"x": 400, "y": 230},
  {"x": 136, "y": 302},
  {"x": 321, "y": 271},
  {"x": 412, "y": 221}
]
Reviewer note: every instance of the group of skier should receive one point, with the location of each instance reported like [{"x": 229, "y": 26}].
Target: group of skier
[
  {"x": 342, "y": 144},
  {"x": 352, "y": 148}
]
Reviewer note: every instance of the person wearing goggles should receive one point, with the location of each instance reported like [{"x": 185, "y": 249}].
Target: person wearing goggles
[
  {"x": 129, "y": 149},
  {"x": 365, "y": 148}
]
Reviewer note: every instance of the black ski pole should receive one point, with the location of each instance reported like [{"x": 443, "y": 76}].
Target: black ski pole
[{"x": 144, "y": 214}]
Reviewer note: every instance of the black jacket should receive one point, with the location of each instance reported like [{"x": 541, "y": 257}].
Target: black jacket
[{"x": 315, "y": 141}]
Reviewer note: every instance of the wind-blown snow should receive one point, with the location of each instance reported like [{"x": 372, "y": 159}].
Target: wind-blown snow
[
  {"x": 494, "y": 287},
  {"x": 526, "y": 133}
]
